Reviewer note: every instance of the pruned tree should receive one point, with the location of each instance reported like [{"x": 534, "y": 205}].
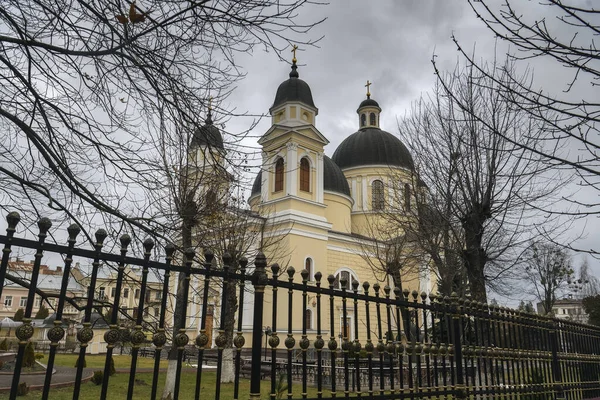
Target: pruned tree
[
  {"x": 591, "y": 305},
  {"x": 565, "y": 39},
  {"x": 484, "y": 192},
  {"x": 547, "y": 268}
]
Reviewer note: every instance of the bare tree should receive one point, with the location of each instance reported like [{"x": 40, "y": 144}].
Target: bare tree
[
  {"x": 571, "y": 113},
  {"x": 483, "y": 191},
  {"x": 84, "y": 82},
  {"x": 548, "y": 269}
]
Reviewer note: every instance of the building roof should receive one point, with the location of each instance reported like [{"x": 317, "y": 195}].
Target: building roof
[
  {"x": 369, "y": 102},
  {"x": 294, "y": 89},
  {"x": 372, "y": 146},
  {"x": 208, "y": 135},
  {"x": 333, "y": 179}
]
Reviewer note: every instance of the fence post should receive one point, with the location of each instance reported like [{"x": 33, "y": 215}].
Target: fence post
[
  {"x": 556, "y": 373},
  {"x": 456, "y": 339},
  {"x": 259, "y": 280}
]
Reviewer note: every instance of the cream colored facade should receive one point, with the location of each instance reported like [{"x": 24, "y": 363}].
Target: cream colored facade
[
  {"x": 337, "y": 231},
  {"x": 324, "y": 214}
]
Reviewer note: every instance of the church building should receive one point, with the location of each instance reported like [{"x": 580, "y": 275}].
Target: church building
[{"x": 330, "y": 214}]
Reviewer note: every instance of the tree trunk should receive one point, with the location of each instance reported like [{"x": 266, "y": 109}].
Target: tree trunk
[
  {"x": 230, "y": 290},
  {"x": 474, "y": 255},
  {"x": 178, "y": 322}
]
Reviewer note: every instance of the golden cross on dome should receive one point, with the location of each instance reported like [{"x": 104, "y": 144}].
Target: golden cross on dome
[
  {"x": 368, "y": 89},
  {"x": 294, "y": 48}
]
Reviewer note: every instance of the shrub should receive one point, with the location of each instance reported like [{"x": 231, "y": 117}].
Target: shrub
[
  {"x": 19, "y": 315},
  {"x": 42, "y": 312},
  {"x": 39, "y": 356},
  {"x": 77, "y": 363},
  {"x": 4, "y": 345},
  {"x": 22, "y": 389},
  {"x": 98, "y": 377},
  {"x": 29, "y": 357}
]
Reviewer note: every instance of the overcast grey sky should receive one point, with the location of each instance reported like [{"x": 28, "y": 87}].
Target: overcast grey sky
[{"x": 391, "y": 43}]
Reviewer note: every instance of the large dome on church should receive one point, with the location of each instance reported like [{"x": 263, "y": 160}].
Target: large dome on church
[
  {"x": 294, "y": 89},
  {"x": 333, "y": 179},
  {"x": 372, "y": 146}
]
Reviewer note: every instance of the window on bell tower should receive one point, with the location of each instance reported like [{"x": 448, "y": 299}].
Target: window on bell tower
[
  {"x": 279, "y": 174},
  {"x": 363, "y": 120},
  {"x": 373, "y": 119},
  {"x": 304, "y": 175}
]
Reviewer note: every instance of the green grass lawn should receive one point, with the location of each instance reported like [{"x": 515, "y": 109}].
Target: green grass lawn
[{"x": 118, "y": 383}]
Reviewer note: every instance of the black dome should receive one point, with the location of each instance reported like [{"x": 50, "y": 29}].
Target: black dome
[
  {"x": 369, "y": 102},
  {"x": 294, "y": 89},
  {"x": 208, "y": 135},
  {"x": 372, "y": 146},
  {"x": 333, "y": 179}
]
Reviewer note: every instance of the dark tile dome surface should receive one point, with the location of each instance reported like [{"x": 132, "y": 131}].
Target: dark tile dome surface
[
  {"x": 208, "y": 135},
  {"x": 372, "y": 146},
  {"x": 294, "y": 89},
  {"x": 369, "y": 103},
  {"x": 333, "y": 179}
]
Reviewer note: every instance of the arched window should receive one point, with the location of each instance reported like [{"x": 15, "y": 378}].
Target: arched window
[
  {"x": 363, "y": 119},
  {"x": 372, "y": 119},
  {"x": 407, "y": 197},
  {"x": 377, "y": 195},
  {"x": 308, "y": 318},
  {"x": 304, "y": 175},
  {"x": 347, "y": 276},
  {"x": 308, "y": 265},
  {"x": 279, "y": 174}
]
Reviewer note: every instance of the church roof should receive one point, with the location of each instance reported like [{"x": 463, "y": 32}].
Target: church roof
[
  {"x": 333, "y": 179},
  {"x": 208, "y": 135},
  {"x": 294, "y": 89},
  {"x": 369, "y": 102},
  {"x": 372, "y": 146}
]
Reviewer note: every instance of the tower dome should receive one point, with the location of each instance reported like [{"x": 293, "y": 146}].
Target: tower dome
[
  {"x": 371, "y": 145},
  {"x": 293, "y": 89},
  {"x": 208, "y": 135}
]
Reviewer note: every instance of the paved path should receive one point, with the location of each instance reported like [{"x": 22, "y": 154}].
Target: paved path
[{"x": 63, "y": 376}]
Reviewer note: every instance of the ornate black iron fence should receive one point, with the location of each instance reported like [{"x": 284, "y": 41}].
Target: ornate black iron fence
[{"x": 365, "y": 341}]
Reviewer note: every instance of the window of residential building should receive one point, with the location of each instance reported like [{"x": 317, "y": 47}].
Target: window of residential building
[
  {"x": 158, "y": 295},
  {"x": 146, "y": 311},
  {"x": 113, "y": 292},
  {"x": 377, "y": 193},
  {"x": 304, "y": 175},
  {"x": 137, "y": 293},
  {"x": 279, "y": 174},
  {"x": 8, "y": 301},
  {"x": 156, "y": 312},
  {"x": 101, "y": 292},
  {"x": 38, "y": 302},
  {"x": 308, "y": 318},
  {"x": 125, "y": 293},
  {"x": 23, "y": 302}
]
